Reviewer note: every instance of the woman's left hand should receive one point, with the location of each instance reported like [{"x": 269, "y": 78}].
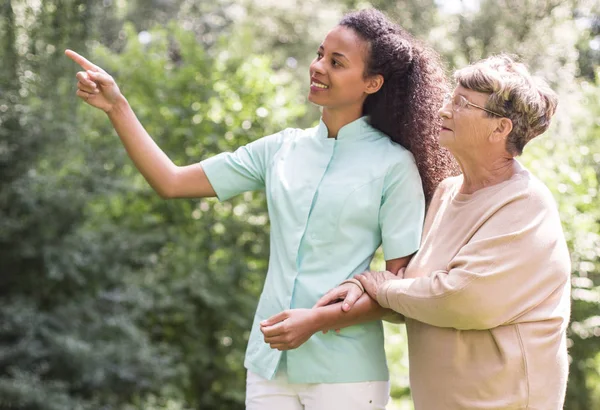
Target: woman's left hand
[
  {"x": 289, "y": 329},
  {"x": 371, "y": 280},
  {"x": 349, "y": 293}
]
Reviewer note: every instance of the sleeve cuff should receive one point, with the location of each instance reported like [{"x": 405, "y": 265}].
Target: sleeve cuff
[
  {"x": 403, "y": 245},
  {"x": 399, "y": 250},
  {"x": 391, "y": 288},
  {"x": 216, "y": 169},
  {"x": 382, "y": 294},
  {"x": 207, "y": 166}
]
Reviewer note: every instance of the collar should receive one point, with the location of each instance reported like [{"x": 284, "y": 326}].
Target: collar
[{"x": 355, "y": 130}]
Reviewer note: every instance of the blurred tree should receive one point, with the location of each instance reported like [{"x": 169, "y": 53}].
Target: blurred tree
[
  {"x": 110, "y": 295},
  {"x": 587, "y": 18},
  {"x": 416, "y": 16},
  {"x": 63, "y": 343}
]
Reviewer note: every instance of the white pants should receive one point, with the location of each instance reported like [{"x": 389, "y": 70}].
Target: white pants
[{"x": 278, "y": 394}]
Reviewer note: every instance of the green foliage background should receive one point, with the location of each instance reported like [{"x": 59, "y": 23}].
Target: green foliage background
[{"x": 111, "y": 298}]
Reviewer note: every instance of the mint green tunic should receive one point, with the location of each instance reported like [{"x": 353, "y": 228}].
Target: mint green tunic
[{"x": 332, "y": 203}]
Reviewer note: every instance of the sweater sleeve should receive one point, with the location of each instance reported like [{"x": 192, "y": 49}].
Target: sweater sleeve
[{"x": 516, "y": 260}]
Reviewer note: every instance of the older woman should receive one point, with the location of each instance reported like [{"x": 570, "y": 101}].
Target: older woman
[{"x": 486, "y": 298}]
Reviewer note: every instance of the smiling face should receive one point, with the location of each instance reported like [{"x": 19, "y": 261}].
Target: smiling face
[
  {"x": 337, "y": 80},
  {"x": 469, "y": 127}
]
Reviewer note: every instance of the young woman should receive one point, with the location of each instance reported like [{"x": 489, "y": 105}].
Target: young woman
[{"x": 334, "y": 192}]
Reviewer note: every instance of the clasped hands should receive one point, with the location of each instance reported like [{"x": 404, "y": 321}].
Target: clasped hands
[{"x": 291, "y": 328}]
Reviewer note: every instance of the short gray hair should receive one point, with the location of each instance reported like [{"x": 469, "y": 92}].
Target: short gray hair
[{"x": 526, "y": 100}]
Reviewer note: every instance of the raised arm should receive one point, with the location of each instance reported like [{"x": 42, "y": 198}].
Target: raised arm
[{"x": 97, "y": 88}]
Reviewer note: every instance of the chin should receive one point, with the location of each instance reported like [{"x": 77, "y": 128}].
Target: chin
[
  {"x": 445, "y": 141},
  {"x": 315, "y": 99}
]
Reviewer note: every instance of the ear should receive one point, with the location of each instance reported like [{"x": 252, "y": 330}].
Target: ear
[
  {"x": 374, "y": 83},
  {"x": 503, "y": 128}
]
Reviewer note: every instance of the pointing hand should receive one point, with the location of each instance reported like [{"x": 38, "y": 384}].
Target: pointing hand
[{"x": 95, "y": 86}]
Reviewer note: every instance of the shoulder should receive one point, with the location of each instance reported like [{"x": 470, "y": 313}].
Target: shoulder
[
  {"x": 526, "y": 188},
  {"x": 388, "y": 152},
  {"x": 396, "y": 165},
  {"x": 284, "y": 134},
  {"x": 525, "y": 208},
  {"x": 538, "y": 190},
  {"x": 399, "y": 172},
  {"x": 446, "y": 188},
  {"x": 532, "y": 197},
  {"x": 393, "y": 158},
  {"x": 522, "y": 203},
  {"x": 398, "y": 162}
]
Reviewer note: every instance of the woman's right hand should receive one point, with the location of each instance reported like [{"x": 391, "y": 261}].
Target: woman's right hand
[{"x": 96, "y": 87}]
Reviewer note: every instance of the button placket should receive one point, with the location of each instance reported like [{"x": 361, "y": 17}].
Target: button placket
[{"x": 316, "y": 183}]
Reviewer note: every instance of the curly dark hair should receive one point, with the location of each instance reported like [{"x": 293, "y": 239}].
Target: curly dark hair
[{"x": 406, "y": 106}]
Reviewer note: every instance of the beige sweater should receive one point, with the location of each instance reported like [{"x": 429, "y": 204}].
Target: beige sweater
[{"x": 487, "y": 300}]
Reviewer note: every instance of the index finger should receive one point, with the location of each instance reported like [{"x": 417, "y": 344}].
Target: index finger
[
  {"x": 362, "y": 278},
  {"x": 81, "y": 60},
  {"x": 274, "y": 330},
  {"x": 351, "y": 298},
  {"x": 327, "y": 298},
  {"x": 274, "y": 319}
]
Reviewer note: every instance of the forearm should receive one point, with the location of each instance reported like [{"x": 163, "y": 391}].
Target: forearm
[
  {"x": 147, "y": 156},
  {"x": 465, "y": 300},
  {"x": 364, "y": 310},
  {"x": 420, "y": 299}
]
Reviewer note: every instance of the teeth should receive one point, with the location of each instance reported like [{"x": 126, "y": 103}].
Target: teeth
[{"x": 319, "y": 85}]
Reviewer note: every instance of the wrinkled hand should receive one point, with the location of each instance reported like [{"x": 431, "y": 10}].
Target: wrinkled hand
[
  {"x": 289, "y": 329},
  {"x": 95, "y": 86},
  {"x": 348, "y": 292},
  {"x": 371, "y": 280}
]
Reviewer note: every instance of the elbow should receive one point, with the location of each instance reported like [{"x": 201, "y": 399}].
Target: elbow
[
  {"x": 476, "y": 324},
  {"x": 470, "y": 309},
  {"x": 164, "y": 194},
  {"x": 162, "y": 189},
  {"x": 167, "y": 187},
  {"x": 472, "y": 317},
  {"x": 167, "y": 191},
  {"x": 480, "y": 320}
]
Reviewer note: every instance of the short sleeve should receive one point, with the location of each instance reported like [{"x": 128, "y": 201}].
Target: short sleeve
[
  {"x": 245, "y": 169},
  {"x": 402, "y": 209}
]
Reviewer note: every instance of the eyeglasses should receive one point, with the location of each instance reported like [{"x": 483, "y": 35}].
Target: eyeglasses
[{"x": 460, "y": 103}]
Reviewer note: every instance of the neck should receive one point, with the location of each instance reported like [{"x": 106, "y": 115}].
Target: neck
[
  {"x": 335, "y": 120},
  {"x": 481, "y": 171}
]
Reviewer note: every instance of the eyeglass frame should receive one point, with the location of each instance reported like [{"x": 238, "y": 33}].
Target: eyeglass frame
[{"x": 450, "y": 98}]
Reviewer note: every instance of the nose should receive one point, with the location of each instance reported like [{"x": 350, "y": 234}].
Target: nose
[
  {"x": 445, "y": 110},
  {"x": 317, "y": 66}
]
